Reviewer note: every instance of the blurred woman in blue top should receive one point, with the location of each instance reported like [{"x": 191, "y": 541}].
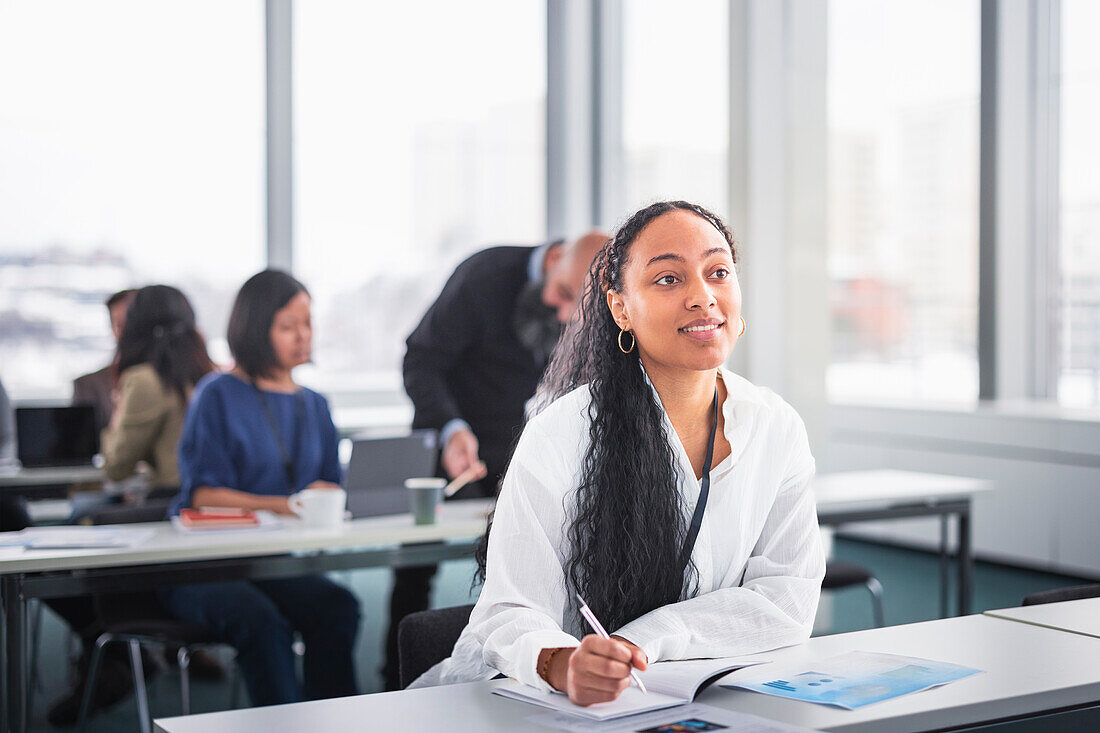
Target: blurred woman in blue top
[{"x": 252, "y": 438}]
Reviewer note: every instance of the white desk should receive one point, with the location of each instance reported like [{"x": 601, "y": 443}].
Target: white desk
[
  {"x": 378, "y": 421},
  {"x": 170, "y": 557},
  {"x": 1075, "y": 617},
  {"x": 861, "y": 496},
  {"x": 458, "y": 520},
  {"x": 853, "y": 490},
  {"x": 24, "y": 478},
  {"x": 1028, "y": 671}
]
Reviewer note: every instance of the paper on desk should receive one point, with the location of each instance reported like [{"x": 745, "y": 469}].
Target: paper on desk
[
  {"x": 631, "y": 702},
  {"x": 854, "y": 679},
  {"x": 75, "y": 538},
  {"x": 47, "y": 511},
  {"x": 693, "y": 717},
  {"x": 670, "y": 684}
]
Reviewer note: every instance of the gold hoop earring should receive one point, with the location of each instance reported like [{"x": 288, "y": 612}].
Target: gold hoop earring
[
  {"x": 633, "y": 341},
  {"x": 742, "y": 327}
]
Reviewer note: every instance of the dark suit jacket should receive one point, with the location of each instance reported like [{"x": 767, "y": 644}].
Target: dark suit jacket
[
  {"x": 95, "y": 389},
  {"x": 465, "y": 360}
]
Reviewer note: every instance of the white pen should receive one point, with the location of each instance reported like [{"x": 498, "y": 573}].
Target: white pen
[{"x": 602, "y": 632}]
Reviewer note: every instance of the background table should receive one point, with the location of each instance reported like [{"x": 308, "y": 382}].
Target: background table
[
  {"x": 1075, "y": 617},
  {"x": 1029, "y": 672},
  {"x": 25, "y": 480},
  {"x": 170, "y": 557},
  {"x": 862, "y": 496}
]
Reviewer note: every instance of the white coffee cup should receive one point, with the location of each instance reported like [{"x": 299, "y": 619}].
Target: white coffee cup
[{"x": 319, "y": 507}]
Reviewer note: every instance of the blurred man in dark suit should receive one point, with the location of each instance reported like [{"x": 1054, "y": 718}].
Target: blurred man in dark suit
[
  {"x": 96, "y": 389},
  {"x": 474, "y": 361}
]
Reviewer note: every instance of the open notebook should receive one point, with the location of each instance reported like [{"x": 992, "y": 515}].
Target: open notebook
[{"x": 669, "y": 684}]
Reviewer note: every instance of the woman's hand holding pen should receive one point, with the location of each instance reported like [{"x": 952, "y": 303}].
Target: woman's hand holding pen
[{"x": 596, "y": 671}]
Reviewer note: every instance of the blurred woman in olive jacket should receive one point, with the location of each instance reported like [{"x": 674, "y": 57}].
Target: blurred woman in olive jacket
[{"x": 161, "y": 355}]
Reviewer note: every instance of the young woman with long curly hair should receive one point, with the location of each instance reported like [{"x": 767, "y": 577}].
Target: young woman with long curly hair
[{"x": 668, "y": 492}]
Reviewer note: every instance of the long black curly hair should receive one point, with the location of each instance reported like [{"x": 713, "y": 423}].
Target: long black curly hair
[{"x": 629, "y": 524}]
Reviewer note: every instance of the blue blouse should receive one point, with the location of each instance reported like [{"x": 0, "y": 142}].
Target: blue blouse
[{"x": 229, "y": 440}]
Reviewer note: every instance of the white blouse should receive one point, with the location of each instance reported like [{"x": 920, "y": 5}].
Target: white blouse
[{"x": 758, "y": 554}]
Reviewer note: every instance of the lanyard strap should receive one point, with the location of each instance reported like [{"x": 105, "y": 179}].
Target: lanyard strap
[
  {"x": 284, "y": 454},
  {"x": 704, "y": 492}
]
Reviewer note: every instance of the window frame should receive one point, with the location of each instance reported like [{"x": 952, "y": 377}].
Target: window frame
[{"x": 1019, "y": 168}]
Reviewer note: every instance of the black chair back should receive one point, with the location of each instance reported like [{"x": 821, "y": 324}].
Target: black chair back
[
  {"x": 426, "y": 638},
  {"x": 1057, "y": 595},
  {"x": 151, "y": 510},
  {"x": 840, "y": 574}
]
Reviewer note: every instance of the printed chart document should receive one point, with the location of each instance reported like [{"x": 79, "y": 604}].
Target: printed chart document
[
  {"x": 669, "y": 684},
  {"x": 855, "y": 679}
]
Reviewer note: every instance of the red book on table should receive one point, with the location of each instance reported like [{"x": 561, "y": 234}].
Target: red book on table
[{"x": 220, "y": 518}]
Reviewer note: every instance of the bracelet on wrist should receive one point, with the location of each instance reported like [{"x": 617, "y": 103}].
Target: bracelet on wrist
[{"x": 544, "y": 670}]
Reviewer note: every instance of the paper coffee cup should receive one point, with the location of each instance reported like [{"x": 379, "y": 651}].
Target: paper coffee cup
[{"x": 425, "y": 494}]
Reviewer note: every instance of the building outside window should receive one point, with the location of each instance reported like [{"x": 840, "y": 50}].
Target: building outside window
[
  {"x": 675, "y": 106},
  {"x": 415, "y": 145},
  {"x": 903, "y": 199},
  {"x": 1076, "y": 307},
  {"x": 131, "y": 152}
]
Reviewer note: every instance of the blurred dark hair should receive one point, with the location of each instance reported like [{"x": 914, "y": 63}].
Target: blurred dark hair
[
  {"x": 119, "y": 297},
  {"x": 160, "y": 330},
  {"x": 628, "y": 525},
  {"x": 249, "y": 333}
]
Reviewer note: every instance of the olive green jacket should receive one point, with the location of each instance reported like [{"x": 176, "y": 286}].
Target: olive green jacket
[{"x": 146, "y": 427}]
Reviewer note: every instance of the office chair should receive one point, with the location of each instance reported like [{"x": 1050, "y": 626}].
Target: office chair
[
  {"x": 1070, "y": 593},
  {"x": 167, "y": 632},
  {"x": 35, "y": 623},
  {"x": 839, "y": 574},
  {"x": 425, "y": 638},
  {"x": 150, "y": 510},
  {"x": 139, "y": 618}
]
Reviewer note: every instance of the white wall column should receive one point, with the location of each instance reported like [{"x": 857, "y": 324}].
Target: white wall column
[
  {"x": 777, "y": 180},
  {"x": 280, "y": 137},
  {"x": 570, "y": 117}
]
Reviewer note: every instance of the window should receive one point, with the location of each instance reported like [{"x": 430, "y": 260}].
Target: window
[
  {"x": 902, "y": 95},
  {"x": 1077, "y": 310},
  {"x": 416, "y": 144},
  {"x": 675, "y": 105},
  {"x": 131, "y": 152}
]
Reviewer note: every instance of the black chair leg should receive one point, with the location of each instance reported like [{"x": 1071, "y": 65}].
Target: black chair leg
[
  {"x": 90, "y": 680},
  {"x": 183, "y": 656},
  {"x": 140, "y": 694},
  {"x": 875, "y": 588},
  {"x": 36, "y": 636},
  {"x": 235, "y": 684}
]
